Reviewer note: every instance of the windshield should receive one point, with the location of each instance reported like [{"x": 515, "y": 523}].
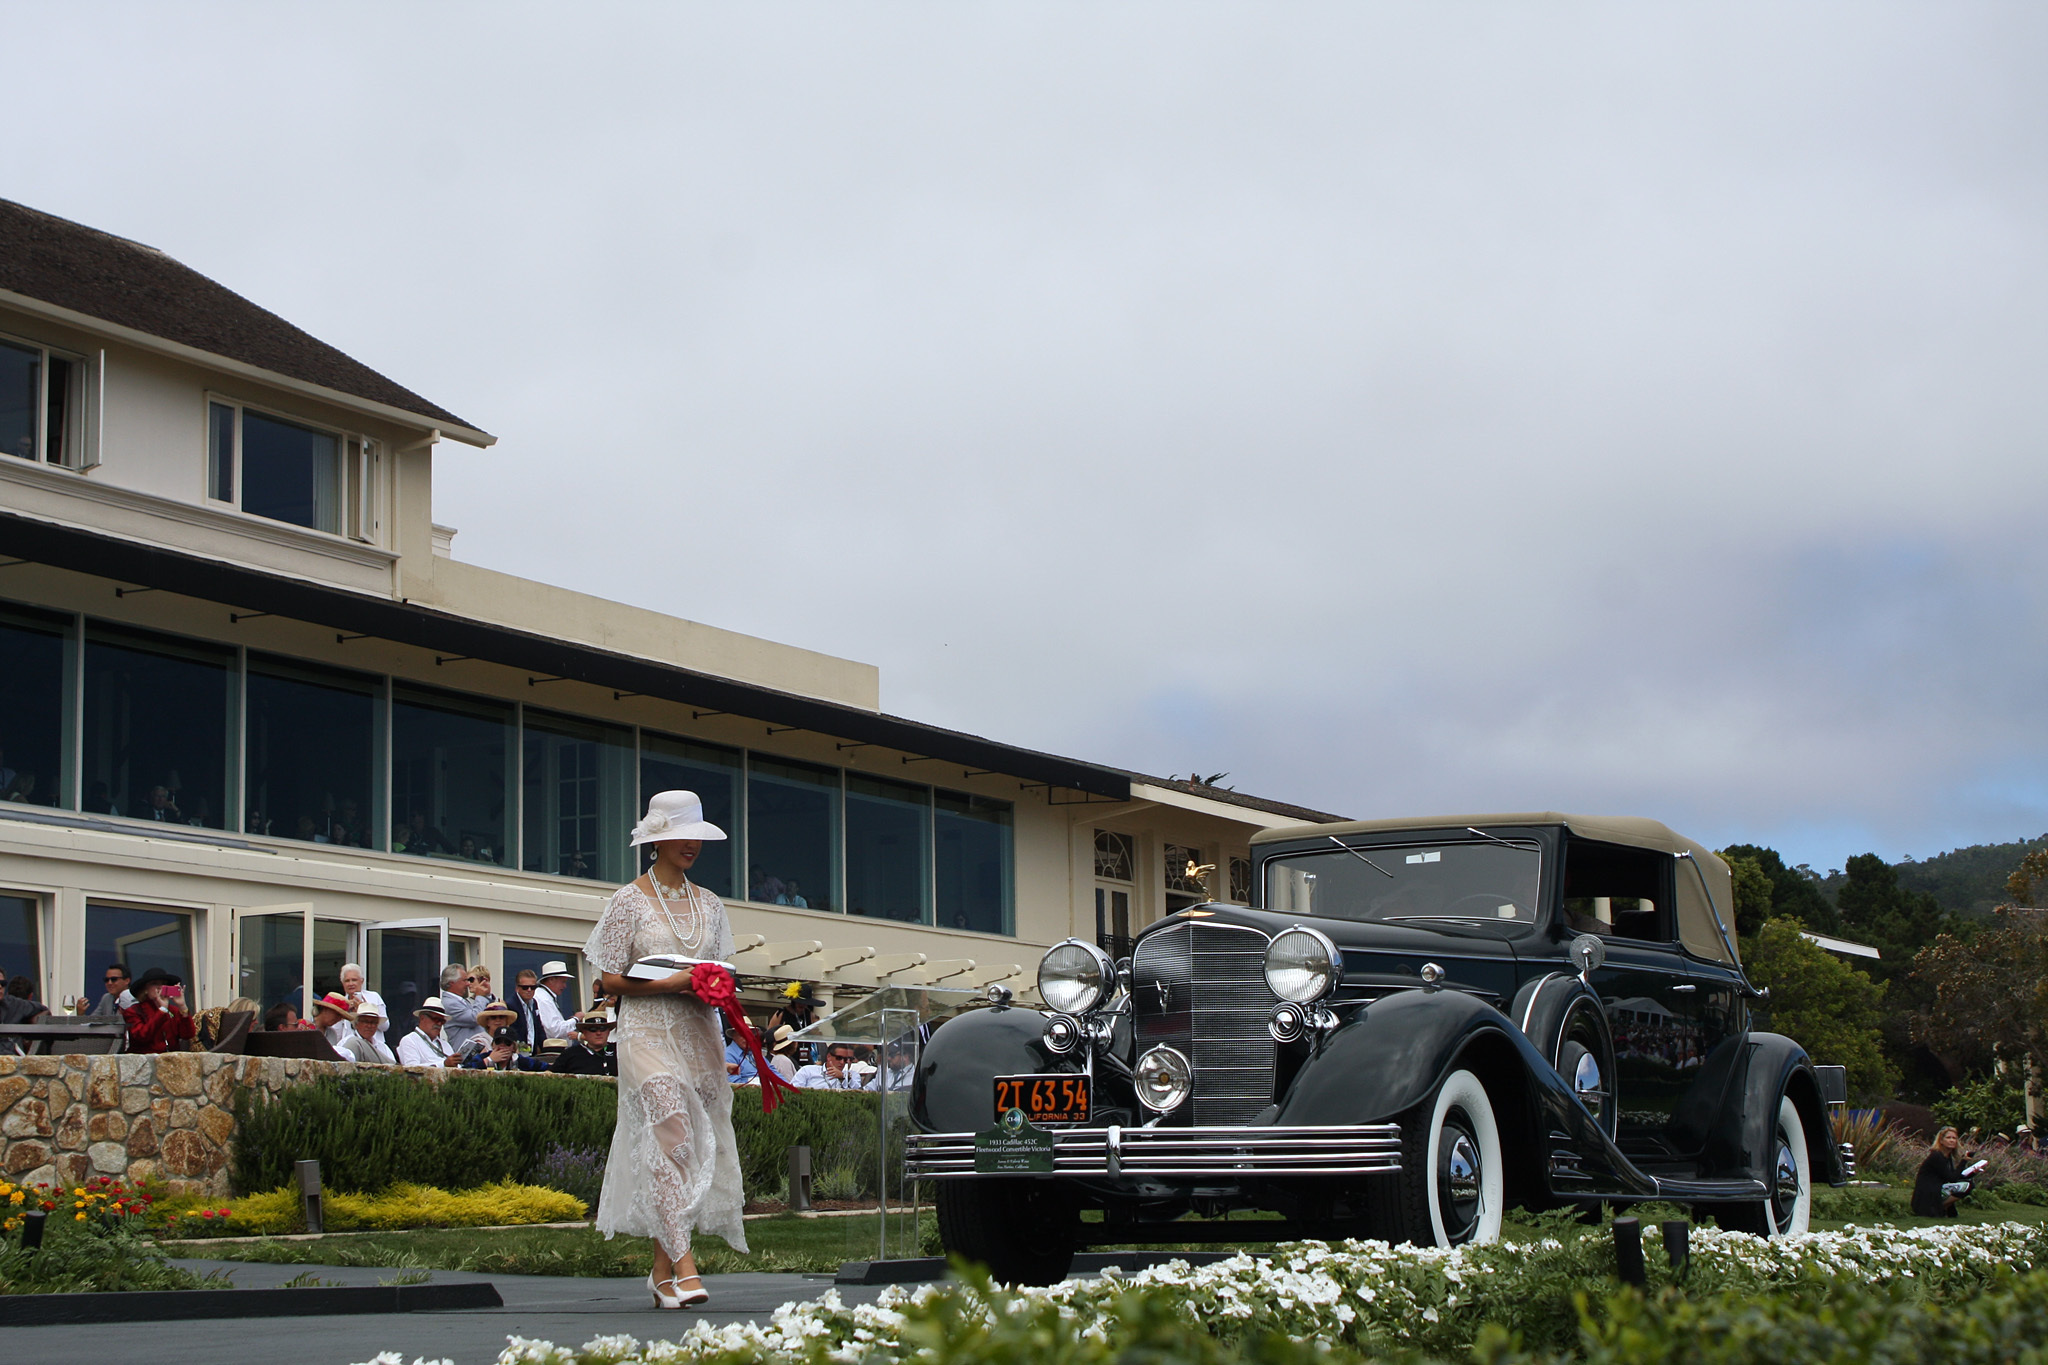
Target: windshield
[{"x": 1493, "y": 883}]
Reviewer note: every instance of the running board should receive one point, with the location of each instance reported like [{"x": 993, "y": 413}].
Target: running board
[
  {"x": 1709, "y": 1191},
  {"x": 1240, "y": 1231}
]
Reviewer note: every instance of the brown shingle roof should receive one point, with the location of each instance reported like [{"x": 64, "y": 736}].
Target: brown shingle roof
[{"x": 132, "y": 285}]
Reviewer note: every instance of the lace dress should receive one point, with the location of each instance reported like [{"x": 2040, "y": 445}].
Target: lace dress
[{"x": 674, "y": 1167}]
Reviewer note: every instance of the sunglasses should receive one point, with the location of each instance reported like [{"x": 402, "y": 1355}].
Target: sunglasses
[{"x": 526, "y": 986}]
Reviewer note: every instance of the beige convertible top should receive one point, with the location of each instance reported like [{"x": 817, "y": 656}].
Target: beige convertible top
[{"x": 1696, "y": 915}]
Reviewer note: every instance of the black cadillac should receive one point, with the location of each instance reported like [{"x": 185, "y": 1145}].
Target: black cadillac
[{"x": 1417, "y": 1024}]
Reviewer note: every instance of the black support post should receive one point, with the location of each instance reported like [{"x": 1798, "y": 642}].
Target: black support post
[{"x": 1628, "y": 1251}]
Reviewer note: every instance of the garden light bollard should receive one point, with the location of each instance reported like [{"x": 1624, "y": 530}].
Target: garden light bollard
[
  {"x": 309, "y": 1191},
  {"x": 1677, "y": 1244},
  {"x": 800, "y": 1180},
  {"x": 32, "y": 1229},
  {"x": 1628, "y": 1252}
]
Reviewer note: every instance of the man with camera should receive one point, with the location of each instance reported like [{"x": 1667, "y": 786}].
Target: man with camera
[{"x": 463, "y": 1025}]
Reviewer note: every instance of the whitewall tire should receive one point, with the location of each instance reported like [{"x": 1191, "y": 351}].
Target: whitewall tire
[{"x": 1464, "y": 1186}]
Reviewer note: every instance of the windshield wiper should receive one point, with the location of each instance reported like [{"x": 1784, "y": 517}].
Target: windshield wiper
[
  {"x": 1496, "y": 839},
  {"x": 1356, "y": 854}
]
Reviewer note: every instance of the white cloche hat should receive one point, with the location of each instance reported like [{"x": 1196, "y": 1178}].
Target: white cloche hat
[{"x": 674, "y": 815}]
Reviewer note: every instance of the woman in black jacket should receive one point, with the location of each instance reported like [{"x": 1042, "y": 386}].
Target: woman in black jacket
[{"x": 1941, "y": 1182}]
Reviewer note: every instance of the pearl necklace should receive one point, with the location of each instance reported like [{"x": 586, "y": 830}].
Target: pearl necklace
[{"x": 692, "y": 942}]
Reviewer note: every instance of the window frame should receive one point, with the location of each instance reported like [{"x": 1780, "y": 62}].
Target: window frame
[
  {"x": 358, "y": 475},
  {"x": 74, "y": 454}
]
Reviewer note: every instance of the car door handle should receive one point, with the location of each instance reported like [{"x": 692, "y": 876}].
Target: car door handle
[{"x": 1683, "y": 990}]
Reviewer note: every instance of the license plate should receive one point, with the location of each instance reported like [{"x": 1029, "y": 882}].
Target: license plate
[{"x": 1061, "y": 1098}]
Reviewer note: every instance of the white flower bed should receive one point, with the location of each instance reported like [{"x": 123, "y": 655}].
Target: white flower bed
[{"x": 1363, "y": 1292}]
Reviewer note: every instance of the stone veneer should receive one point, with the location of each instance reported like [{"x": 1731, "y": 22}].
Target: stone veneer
[{"x": 171, "y": 1115}]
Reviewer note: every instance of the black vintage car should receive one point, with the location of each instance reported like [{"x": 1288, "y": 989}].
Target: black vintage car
[{"x": 1418, "y": 1024}]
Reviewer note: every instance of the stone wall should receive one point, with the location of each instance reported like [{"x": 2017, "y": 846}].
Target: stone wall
[{"x": 67, "y": 1119}]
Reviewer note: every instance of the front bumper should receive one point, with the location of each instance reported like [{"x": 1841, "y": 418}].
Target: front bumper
[{"x": 1182, "y": 1153}]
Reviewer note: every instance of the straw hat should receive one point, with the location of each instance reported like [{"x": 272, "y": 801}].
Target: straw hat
[
  {"x": 674, "y": 815},
  {"x": 337, "y": 1003},
  {"x": 554, "y": 968},
  {"x": 432, "y": 1005},
  {"x": 497, "y": 1009}
]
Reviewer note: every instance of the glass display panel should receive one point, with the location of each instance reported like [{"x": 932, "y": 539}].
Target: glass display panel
[
  {"x": 290, "y": 473},
  {"x": 156, "y": 727},
  {"x": 311, "y": 753},
  {"x": 792, "y": 833},
  {"x": 451, "y": 783},
  {"x": 56, "y": 401},
  {"x": 521, "y": 958},
  {"x": 32, "y": 747},
  {"x": 21, "y": 390},
  {"x": 714, "y": 773},
  {"x": 403, "y": 966},
  {"x": 20, "y": 940},
  {"x": 888, "y": 849},
  {"x": 1416, "y": 884},
  {"x": 975, "y": 862},
  {"x": 579, "y": 794},
  {"x": 271, "y": 960},
  {"x": 139, "y": 938}
]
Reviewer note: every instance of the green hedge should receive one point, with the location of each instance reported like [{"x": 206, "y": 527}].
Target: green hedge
[{"x": 369, "y": 1131}]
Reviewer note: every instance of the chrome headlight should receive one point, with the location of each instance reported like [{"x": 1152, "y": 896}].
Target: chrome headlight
[
  {"x": 1165, "y": 1080},
  {"x": 1074, "y": 977},
  {"x": 1302, "y": 965}
]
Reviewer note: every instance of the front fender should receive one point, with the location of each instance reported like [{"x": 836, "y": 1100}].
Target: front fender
[{"x": 953, "y": 1090}]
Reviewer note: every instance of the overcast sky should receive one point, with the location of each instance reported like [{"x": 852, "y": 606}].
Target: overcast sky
[{"x": 1406, "y": 409}]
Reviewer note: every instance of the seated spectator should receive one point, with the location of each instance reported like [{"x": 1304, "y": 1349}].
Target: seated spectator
[
  {"x": 739, "y": 1061},
  {"x": 362, "y": 997},
  {"x": 835, "y": 1073},
  {"x": 99, "y": 799},
  {"x": 503, "y": 1054},
  {"x": 480, "y": 984},
  {"x": 157, "y": 1021},
  {"x": 531, "y": 1024},
  {"x": 591, "y": 1054},
  {"x": 554, "y": 979},
  {"x": 896, "y": 1072},
  {"x": 333, "y": 1016},
  {"x": 782, "y": 1061},
  {"x": 163, "y": 807},
  {"x": 364, "y": 1045},
  {"x": 20, "y": 1005},
  {"x": 428, "y": 1044},
  {"x": 280, "y": 1018},
  {"x": 118, "y": 996}
]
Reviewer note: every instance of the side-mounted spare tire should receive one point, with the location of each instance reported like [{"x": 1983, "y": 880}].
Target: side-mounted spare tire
[
  {"x": 1452, "y": 1186},
  {"x": 1025, "y": 1231}
]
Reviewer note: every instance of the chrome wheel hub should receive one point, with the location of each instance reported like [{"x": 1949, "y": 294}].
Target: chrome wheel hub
[{"x": 1458, "y": 1179}]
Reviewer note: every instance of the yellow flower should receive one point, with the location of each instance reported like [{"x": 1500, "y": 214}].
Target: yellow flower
[
  {"x": 78, "y": 1217},
  {"x": 16, "y": 1197},
  {"x": 79, "y": 1191}
]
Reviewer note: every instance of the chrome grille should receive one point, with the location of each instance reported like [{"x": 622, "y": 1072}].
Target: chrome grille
[{"x": 1202, "y": 988}]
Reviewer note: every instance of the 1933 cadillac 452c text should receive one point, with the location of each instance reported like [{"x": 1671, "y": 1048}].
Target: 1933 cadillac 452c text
[{"x": 1417, "y": 1024}]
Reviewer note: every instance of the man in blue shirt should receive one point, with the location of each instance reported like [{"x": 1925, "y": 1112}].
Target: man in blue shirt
[{"x": 739, "y": 1062}]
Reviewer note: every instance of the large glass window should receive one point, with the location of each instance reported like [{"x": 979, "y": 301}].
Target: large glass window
[
  {"x": 140, "y": 938},
  {"x": 156, "y": 727},
  {"x": 36, "y": 402},
  {"x": 888, "y": 849},
  {"x": 32, "y": 747},
  {"x": 311, "y": 746},
  {"x": 20, "y": 941},
  {"x": 579, "y": 788},
  {"x": 274, "y": 468},
  {"x": 974, "y": 862},
  {"x": 713, "y": 773},
  {"x": 792, "y": 833},
  {"x": 451, "y": 780}
]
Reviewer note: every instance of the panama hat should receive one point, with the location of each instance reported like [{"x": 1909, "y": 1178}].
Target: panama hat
[
  {"x": 554, "y": 968},
  {"x": 497, "y": 1009},
  {"x": 674, "y": 815},
  {"x": 432, "y": 1005}
]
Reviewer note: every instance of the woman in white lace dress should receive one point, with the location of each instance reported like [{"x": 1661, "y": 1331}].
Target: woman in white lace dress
[{"x": 674, "y": 1167}]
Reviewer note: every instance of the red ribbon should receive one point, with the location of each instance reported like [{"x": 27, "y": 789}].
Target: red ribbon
[{"x": 713, "y": 985}]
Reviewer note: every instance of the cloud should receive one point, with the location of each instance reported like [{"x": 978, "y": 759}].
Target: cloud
[{"x": 1400, "y": 407}]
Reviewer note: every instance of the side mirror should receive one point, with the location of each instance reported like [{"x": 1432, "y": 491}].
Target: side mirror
[{"x": 1587, "y": 953}]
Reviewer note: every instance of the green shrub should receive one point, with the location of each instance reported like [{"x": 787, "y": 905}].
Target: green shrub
[
  {"x": 372, "y": 1130},
  {"x": 91, "y": 1257},
  {"x": 397, "y": 1207},
  {"x": 1992, "y": 1104}
]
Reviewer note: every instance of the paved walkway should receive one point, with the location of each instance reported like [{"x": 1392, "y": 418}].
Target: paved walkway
[{"x": 566, "y": 1310}]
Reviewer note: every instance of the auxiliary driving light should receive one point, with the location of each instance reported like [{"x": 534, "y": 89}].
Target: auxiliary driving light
[
  {"x": 1302, "y": 965},
  {"x": 1074, "y": 977},
  {"x": 1287, "y": 1022},
  {"x": 1165, "y": 1080},
  {"x": 1062, "y": 1034}
]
